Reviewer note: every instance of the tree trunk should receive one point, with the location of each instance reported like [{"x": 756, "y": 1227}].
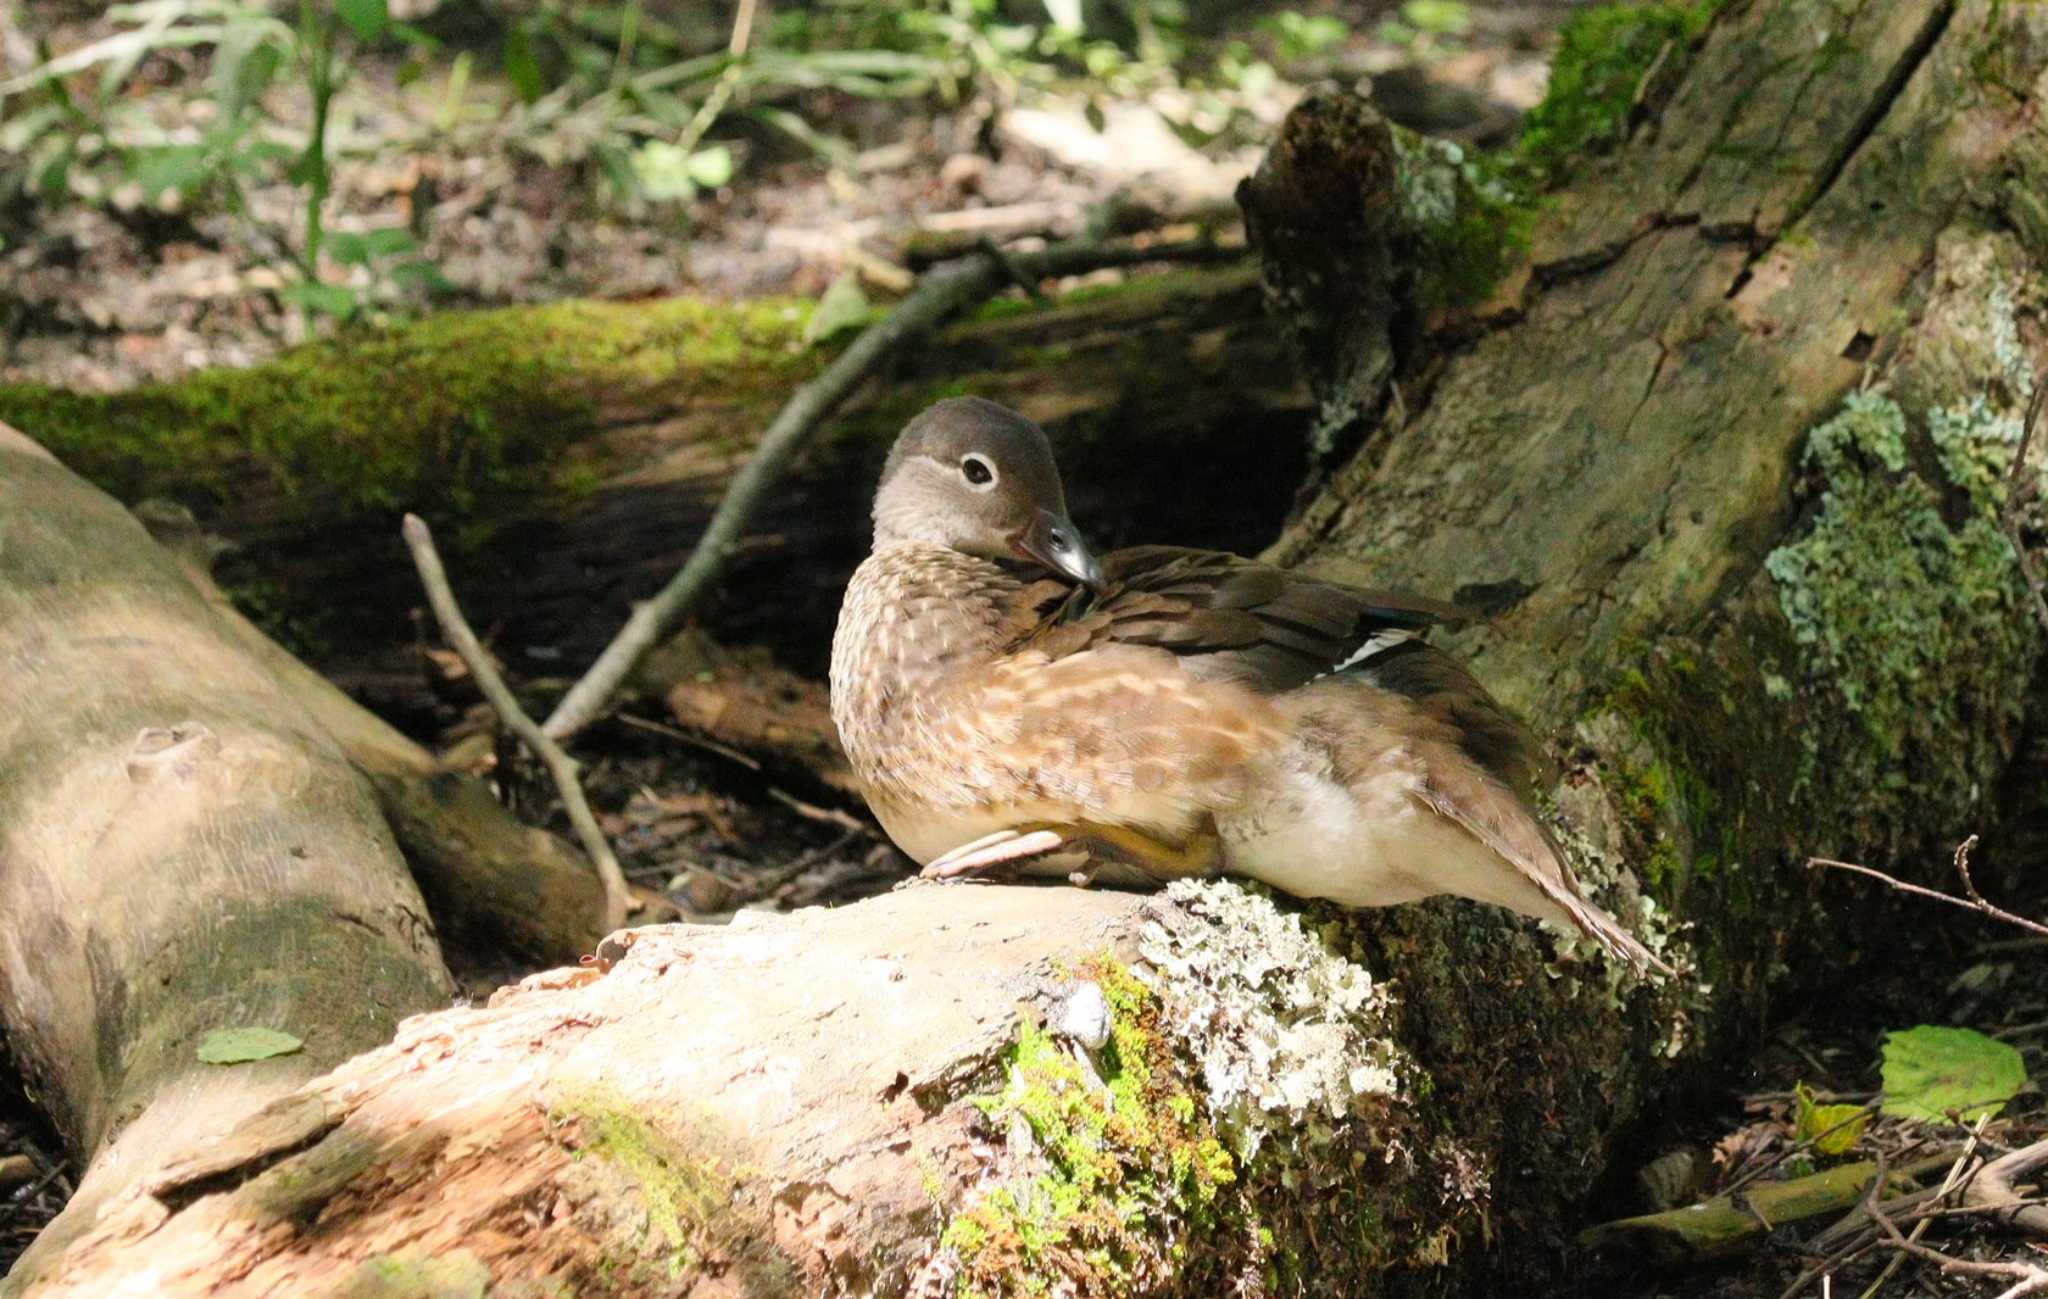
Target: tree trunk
[
  {"x": 1766, "y": 609},
  {"x": 1728, "y": 461}
]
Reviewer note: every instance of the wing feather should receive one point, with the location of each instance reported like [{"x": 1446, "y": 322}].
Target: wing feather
[{"x": 1225, "y": 617}]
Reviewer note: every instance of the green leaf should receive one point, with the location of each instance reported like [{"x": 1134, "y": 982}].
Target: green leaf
[
  {"x": 362, "y": 249},
  {"x": 348, "y": 249},
  {"x": 421, "y": 274},
  {"x": 327, "y": 299},
  {"x": 366, "y": 18},
  {"x": 843, "y": 307},
  {"x": 240, "y": 1045},
  {"x": 1833, "y": 1129},
  {"x": 176, "y": 166},
  {"x": 618, "y": 169},
  {"x": 307, "y": 167},
  {"x": 244, "y": 63},
  {"x": 710, "y": 167},
  {"x": 1929, "y": 1071},
  {"x": 662, "y": 171},
  {"x": 1065, "y": 14},
  {"x": 522, "y": 65},
  {"x": 424, "y": 41},
  {"x": 53, "y": 178},
  {"x": 1441, "y": 17}
]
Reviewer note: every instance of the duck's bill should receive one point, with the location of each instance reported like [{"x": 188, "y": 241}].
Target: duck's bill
[{"x": 1053, "y": 540}]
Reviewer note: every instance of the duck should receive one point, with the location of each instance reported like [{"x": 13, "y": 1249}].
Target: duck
[{"x": 1012, "y": 703}]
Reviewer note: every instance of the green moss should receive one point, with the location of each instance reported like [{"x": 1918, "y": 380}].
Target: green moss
[
  {"x": 1125, "y": 1153},
  {"x": 411, "y": 1275},
  {"x": 1602, "y": 57},
  {"x": 1249, "y": 1093},
  {"x": 696, "y": 1223},
  {"x": 465, "y": 414},
  {"x": 1470, "y": 212}
]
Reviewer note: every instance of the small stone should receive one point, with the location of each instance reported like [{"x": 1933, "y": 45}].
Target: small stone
[{"x": 1083, "y": 1016}]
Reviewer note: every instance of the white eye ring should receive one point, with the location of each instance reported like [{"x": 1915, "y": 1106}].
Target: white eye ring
[{"x": 973, "y": 465}]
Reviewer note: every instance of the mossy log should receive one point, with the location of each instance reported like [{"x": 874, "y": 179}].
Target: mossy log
[
  {"x": 574, "y": 452},
  {"x": 944, "y": 1090}
]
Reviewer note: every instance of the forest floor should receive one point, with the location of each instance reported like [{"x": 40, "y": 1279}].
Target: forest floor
[{"x": 111, "y": 290}]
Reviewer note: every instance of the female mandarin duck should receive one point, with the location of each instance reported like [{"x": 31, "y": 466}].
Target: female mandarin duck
[{"x": 1008, "y": 699}]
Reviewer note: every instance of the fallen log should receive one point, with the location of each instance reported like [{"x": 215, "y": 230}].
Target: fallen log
[
  {"x": 182, "y": 851},
  {"x": 572, "y": 454},
  {"x": 197, "y": 835},
  {"x": 943, "y": 1090}
]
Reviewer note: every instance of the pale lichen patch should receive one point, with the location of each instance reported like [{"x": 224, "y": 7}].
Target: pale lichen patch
[
  {"x": 1904, "y": 593},
  {"x": 1289, "y": 1037}
]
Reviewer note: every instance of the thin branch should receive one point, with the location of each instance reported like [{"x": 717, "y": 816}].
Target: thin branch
[
  {"x": 1991, "y": 1191},
  {"x": 2030, "y": 1279},
  {"x": 1875, "y": 1209},
  {"x": 729, "y": 80},
  {"x": 1974, "y": 902},
  {"x": 420, "y": 540},
  {"x": 2017, "y": 494},
  {"x": 946, "y": 289}
]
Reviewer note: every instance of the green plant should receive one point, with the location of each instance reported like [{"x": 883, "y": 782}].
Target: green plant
[
  {"x": 251, "y": 48},
  {"x": 1297, "y": 36},
  {"x": 1427, "y": 22}
]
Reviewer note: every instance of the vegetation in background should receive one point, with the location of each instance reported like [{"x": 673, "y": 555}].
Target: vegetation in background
[{"x": 649, "y": 111}]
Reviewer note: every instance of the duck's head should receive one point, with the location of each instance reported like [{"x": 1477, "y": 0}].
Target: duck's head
[{"x": 979, "y": 478}]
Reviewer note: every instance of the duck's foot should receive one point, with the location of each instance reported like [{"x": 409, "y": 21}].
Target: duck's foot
[
  {"x": 1003, "y": 850},
  {"x": 1105, "y": 845}
]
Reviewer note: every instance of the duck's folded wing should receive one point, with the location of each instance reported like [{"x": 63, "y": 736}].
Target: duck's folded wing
[
  {"x": 1226, "y": 617},
  {"x": 1238, "y": 620}
]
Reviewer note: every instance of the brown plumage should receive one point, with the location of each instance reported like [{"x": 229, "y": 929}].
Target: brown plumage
[{"x": 1006, "y": 698}]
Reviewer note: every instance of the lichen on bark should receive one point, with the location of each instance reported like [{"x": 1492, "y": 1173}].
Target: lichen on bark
[
  {"x": 1904, "y": 596},
  {"x": 1247, "y": 1079}
]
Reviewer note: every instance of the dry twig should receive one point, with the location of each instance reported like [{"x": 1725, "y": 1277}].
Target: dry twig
[
  {"x": 1975, "y": 901},
  {"x": 1875, "y": 1210},
  {"x": 2028, "y": 1279},
  {"x": 729, "y": 80},
  {"x": 420, "y": 540},
  {"x": 946, "y": 289}
]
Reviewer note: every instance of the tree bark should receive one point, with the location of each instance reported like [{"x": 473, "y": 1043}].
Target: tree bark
[
  {"x": 181, "y": 851},
  {"x": 1762, "y": 605},
  {"x": 198, "y": 834}
]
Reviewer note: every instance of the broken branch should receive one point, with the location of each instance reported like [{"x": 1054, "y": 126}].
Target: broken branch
[
  {"x": 1974, "y": 902},
  {"x": 420, "y": 540}
]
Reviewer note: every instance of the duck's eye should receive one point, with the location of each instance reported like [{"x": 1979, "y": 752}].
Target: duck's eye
[{"x": 977, "y": 471}]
